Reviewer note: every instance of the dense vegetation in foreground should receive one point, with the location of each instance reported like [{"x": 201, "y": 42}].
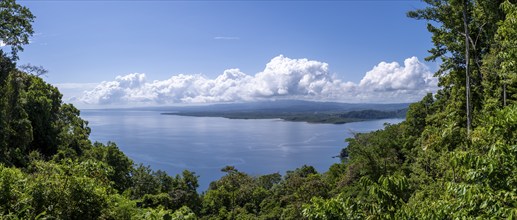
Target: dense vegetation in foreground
[
  {"x": 310, "y": 117},
  {"x": 447, "y": 160}
]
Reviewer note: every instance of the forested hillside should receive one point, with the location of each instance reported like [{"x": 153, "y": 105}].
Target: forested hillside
[{"x": 455, "y": 155}]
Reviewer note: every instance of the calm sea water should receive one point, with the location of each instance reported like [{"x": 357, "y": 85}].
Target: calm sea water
[{"x": 205, "y": 145}]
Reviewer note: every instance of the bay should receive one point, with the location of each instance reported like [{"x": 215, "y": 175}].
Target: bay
[{"x": 204, "y": 145}]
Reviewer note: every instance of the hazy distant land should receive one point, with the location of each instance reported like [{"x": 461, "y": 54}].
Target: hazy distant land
[{"x": 300, "y": 111}]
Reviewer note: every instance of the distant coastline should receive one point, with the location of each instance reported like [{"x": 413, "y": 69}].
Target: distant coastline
[{"x": 309, "y": 117}]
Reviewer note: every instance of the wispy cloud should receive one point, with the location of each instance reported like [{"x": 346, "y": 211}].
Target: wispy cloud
[
  {"x": 282, "y": 77},
  {"x": 73, "y": 90},
  {"x": 227, "y": 38},
  {"x": 84, "y": 86}
]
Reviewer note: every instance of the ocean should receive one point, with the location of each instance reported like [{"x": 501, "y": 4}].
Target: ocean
[{"x": 204, "y": 145}]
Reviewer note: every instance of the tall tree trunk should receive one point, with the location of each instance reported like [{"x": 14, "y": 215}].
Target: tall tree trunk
[
  {"x": 467, "y": 75},
  {"x": 504, "y": 93}
]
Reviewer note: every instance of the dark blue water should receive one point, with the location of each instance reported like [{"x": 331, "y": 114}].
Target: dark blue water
[{"x": 205, "y": 145}]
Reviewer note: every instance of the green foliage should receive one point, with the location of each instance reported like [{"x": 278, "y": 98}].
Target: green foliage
[
  {"x": 48, "y": 192},
  {"x": 451, "y": 22},
  {"x": 73, "y": 131},
  {"x": 238, "y": 195},
  {"x": 13, "y": 200},
  {"x": 15, "y": 25},
  {"x": 339, "y": 207},
  {"x": 43, "y": 105},
  {"x": 122, "y": 166},
  {"x": 484, "y": 178},
  {"x": 34, "y": 119},
  {"x": 268, "y": 181},
  {"x": 157, "y": 189},
  {"x": 507, "y": 54},
  {"x": 427, "y": 167},
  {"x": 69, "y": 190},
  {"x": 383, "y": 200},
  {"x": 18, "y": 128},
  {"x": 417, "y": 114},
  {"x": 375, "y": 154},
  {"x": 143, "y": 182},
  {"x": 300, "y": 185},
  {"x": 233, "y": 190},
  {"x": 183, "y": 213}
]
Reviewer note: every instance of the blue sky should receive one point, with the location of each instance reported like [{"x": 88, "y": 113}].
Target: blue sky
[{"x": 83, "y": 43}]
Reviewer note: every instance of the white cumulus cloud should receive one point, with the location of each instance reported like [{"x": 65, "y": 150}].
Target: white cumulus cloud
[
  {"x": 414, "y": 75},
  {"x": 282, "y": 78}
]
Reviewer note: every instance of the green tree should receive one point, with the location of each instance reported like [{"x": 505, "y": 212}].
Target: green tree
[
  {"x": 463, "y": 32},
  {"x": 73, "y": 133},
  {"x": 6, "y": 67},
  {"x": 232, "y": 191},
  {"x": 15, "y": 26},
  {"x": 68, "y": 190},
  {"x": 143, "y": 182},
  {"x": 480, "y": 181},
  {"x": 339, "y": 207},
  {"x": 18, "y": 126},
  {"x": 375, "y": 154},
  {"x": 184, "y": 191},
  {"x": 111, "y": 155},
  {"x": 269, "y": 180},
  {"x": 43, "y": 107},
  {"x": 183, "y": 213},
  {"x": 507, "y": 40},
  {"x": 13, "y": 200},
  {"x": 175, "y": 192},
  {"x": 417, "y": 114}
]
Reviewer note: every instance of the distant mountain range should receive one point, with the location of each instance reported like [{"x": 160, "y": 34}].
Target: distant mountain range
[{"x": 281, "y": 106}]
